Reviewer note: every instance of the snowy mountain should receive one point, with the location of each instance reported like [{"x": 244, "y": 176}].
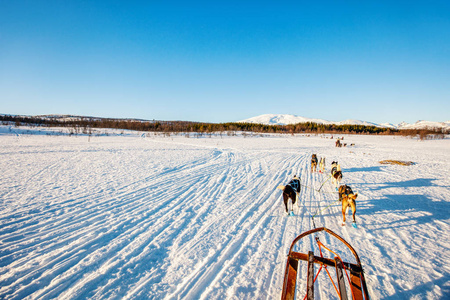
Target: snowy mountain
[
  {"x": 358, "y": 122},
  {"x": 280, "y": 119},
  {"x": 389, "y": 125},
  {"x": 424, "y": 125},
  {"x": 286, "y": 119}
]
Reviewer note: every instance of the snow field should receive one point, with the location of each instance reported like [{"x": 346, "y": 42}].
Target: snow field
[{"x": 149, "y": 217}]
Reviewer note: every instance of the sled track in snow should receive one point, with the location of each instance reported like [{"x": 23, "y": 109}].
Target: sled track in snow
[
  {"x": 146, "y": 217},
  {"x": 156, "y": 218},
  {"x": 90, "y": 240}
]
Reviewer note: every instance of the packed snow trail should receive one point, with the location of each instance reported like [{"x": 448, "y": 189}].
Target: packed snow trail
[{"x": 200, "y": 218}]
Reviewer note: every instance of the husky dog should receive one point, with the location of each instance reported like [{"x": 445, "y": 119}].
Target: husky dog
[
  {"x": 336, "y": 174},
  {"x": 322, "y": 164},
  {"x": 349, "y": 201},
  {"x": 314, "y": 163},
  {"x": 290, "y": 191}
]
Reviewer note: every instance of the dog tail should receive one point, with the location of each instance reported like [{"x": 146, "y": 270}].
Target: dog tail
[
  {"x": 281, "y": 187},
  {"x": 352, "y": 197}
]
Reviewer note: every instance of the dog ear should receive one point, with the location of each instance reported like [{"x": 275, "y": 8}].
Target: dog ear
[{"x": 355, "y": 196}]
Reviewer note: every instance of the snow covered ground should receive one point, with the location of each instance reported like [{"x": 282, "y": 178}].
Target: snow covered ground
[{"x": 136, "y": 216}]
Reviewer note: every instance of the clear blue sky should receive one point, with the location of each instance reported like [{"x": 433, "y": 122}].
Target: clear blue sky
[{"x": 220, "y": 61}]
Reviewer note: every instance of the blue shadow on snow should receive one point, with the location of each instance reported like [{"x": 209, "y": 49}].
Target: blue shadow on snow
[{"x": 367, "y": 169}]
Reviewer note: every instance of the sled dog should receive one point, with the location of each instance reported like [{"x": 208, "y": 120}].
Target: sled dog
[
  {"x": 336, "y": 174},
  {"x": 314, "y": 163},
  {"x": 344, "y": 190},
  {"x": 290, "y": 191},
  {"x": 349, "y": 201},
  {"x": 322, "y": 164}
]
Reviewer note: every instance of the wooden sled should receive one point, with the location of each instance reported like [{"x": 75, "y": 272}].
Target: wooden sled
[{"x": 356, "y": 279}]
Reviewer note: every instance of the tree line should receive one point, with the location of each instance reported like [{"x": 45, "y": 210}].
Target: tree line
[{"x": 199, "y": 127}]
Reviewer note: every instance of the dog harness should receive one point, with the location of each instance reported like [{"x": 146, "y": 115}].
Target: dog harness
[
  {"x": 348, "y": 190},
  {"x": 333, "y": 170},
  {"x": 295, "y": 185}
]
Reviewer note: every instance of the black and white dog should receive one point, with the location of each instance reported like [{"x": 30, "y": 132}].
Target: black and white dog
[
  {"x": 336, "y": 174},
  {"x": 290, "y": 191}
]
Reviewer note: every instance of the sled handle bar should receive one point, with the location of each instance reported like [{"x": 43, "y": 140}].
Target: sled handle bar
[{"x": 329, "y": 232}]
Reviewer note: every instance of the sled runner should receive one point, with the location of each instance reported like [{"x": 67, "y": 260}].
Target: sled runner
[{"x": 344, "y": 270}]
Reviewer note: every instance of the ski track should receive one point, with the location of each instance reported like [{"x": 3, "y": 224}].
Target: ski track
[{"x": 127, "y": 217}]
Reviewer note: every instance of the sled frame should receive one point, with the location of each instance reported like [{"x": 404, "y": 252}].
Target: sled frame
[{"x": 357, "y": 279}]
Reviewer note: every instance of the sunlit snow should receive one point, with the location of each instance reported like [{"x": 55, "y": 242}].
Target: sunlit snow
[{"x": 132, "y": 215}]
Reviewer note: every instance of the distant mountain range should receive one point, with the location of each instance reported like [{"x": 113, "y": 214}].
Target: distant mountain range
[
  {"x": 284, "y": 119},
  {"x": 269, "y": 119}
]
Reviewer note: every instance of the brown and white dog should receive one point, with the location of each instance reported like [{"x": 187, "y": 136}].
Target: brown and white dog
[
  {"x": 348, "y": 199},
  {"x": 314, "y": 163},
  {"x": 336, "y": 174}
]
